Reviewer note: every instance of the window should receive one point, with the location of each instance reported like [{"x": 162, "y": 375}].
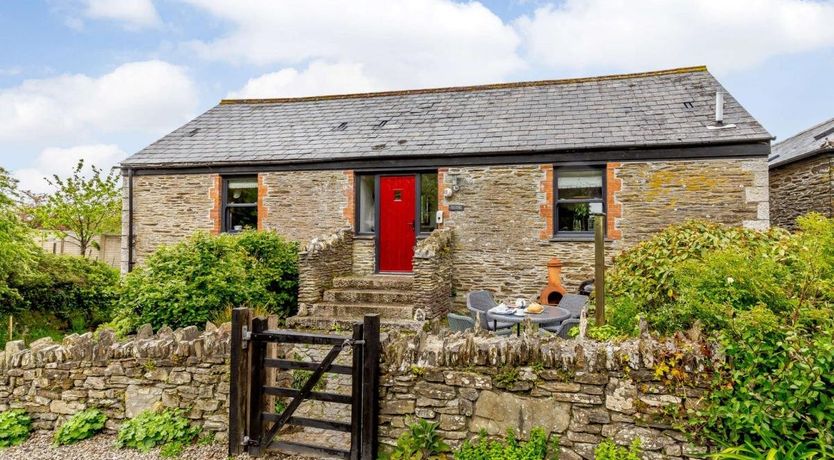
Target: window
[
  {"x": 366, "y": 215},
  {"x": 240, "y": 204},
  {"x": 580, "y": 193},
  {"x": 426, "y": 184},
  {"x": 428, "y": 202}
]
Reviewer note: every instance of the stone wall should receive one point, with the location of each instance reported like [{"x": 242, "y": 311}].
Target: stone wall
[
  {"x": 433, "y": 273},
  {"x": 168, "y": 209},
  {"x": 364, "y": 256},
  {"x": 298, "y": 205},
  {"x": 178, "y": 369},
  {"x": 322, "y": 260},
  {"x": 503, "y": 240},
  {"x": 302, "y": 205},
  {"x": 580, "y": 391},
  {"x": 801, "y": 187}
]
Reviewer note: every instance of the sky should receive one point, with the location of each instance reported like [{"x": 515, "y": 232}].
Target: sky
[{"x": 101, "y": 79}]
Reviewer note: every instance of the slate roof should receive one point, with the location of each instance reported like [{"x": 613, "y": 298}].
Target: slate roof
[
  {"x": 663, "y": 108},
  {"x": 812, "y": 141}
]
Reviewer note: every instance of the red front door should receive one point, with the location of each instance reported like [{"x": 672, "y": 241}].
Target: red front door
[{"x": 397, "y": 209}]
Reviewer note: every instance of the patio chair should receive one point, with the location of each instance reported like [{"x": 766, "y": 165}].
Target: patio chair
[
  {"x": 479, "y": 303},
  {"x": 574, "y": 303},
  {"x": 459, "y": 323}
]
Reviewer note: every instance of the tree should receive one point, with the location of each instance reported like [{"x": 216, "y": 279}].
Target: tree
[
  {"x": 17, "y": 249},
  {"x": 82, "y": 208}
]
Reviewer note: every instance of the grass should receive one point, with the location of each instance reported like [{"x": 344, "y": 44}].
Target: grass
[{"x": 29, "y": 326}]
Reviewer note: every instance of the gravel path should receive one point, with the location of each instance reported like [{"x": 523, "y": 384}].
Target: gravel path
[{"x": 102, "y": 447}]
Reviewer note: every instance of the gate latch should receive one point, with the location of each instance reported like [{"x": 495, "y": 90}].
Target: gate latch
[
  {"x": 247, "y": 442},
  {"x": 246, "y": 336}
]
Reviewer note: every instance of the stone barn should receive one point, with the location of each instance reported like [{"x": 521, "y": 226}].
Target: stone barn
[
  {"x": 802, "y": 175},
  {"x": 415, "y": 197}
]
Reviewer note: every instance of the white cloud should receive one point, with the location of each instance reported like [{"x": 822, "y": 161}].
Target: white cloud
[
  {"x": 319, "y": 78},
  {"x": 399, "y": 43},
  {"x": 147, "y": 97},
  {"x": 62, "y": 161},
  {"x": 646, "y": 34},
  {"x": 134, "y": 14}
]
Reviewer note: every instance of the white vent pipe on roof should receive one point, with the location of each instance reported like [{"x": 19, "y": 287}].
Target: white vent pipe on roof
[{"x": 719, "y": 108}]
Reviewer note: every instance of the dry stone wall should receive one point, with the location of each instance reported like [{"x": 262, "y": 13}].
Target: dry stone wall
[
  {"x": 182, "y": 369},
  {"x": 319, "y": 262},
  {"x": 581, "y": 391},
  {"x": 433, "y": 274},
  {"x": 801, "y": 187}
]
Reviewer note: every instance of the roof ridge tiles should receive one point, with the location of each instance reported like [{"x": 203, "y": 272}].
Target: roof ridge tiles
[{"x": 470, "y": 88}]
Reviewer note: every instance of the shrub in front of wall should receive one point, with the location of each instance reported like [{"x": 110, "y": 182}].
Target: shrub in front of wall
[
  {"x": 645, "y": 280},
  {"x": 511, "y": 448},
  {"x": 80, "y": 426},
  {"x": 420, "y": 442},
  {"x": 79, "y": 292},
  {"x": 15, "y": 426},
  {"x": 777, "y": 392},
  {"x": 157, "y": 428},
  {"x": 196, "y": 280},
  {"x": 607, "y": 450}
]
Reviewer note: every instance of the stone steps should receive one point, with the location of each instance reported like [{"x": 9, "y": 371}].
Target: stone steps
[
  {"x": 345, "y": 324},
  {"x": 375, "y": 296},
  {"x": 352, "y": 297},
  {"x": 340, "y": 310},
  {"x": 375, "y": 282}
]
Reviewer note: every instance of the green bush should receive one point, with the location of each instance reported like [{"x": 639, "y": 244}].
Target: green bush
[
  {"x": 80, "y": 426},
  {"x": 157, "y": 428},
  {"x": 510, "y": 449},
  {"x": 80, "y": 292},
  {"x": 802, "y": 451},
  {"x": 778, "y": 390},
  {"x": 196, "y": 280},
  {"x": 607, "y": 450},
  {"x": 15, "y": 426},
  {"x": 702, "y": 272},
  {"x": 420, "y": 442}
]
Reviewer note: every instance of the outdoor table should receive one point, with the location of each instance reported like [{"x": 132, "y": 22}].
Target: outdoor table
[{"x": 550, "y": 314}]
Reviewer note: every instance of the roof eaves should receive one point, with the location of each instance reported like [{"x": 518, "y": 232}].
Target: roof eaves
[{"x": 810, "y": 154}]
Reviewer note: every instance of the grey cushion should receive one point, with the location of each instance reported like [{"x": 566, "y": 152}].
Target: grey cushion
[
  {"x": 479, "y": 303},
  {"x": 574, "y": 303},
  {"x": 564, "y": 328},
  {"x": 460, "y": 322}
]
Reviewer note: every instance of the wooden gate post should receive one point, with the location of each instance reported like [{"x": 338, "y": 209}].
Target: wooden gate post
[
  {"x": 370, "y": 381},
  {"x": 356, "y": 395},
  {"x": 599, "y": 268},
  {"x": 257, "y": 355},
  {"x": 238, "y": 381}
]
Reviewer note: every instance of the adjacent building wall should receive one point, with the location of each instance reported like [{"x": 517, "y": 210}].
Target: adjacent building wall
[{"x": 801, "y": 187}]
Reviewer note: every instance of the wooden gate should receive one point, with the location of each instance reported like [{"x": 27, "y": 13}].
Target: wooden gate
[{"x": 252, "y": 429}]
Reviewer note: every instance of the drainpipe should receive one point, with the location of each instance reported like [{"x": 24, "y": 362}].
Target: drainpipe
[{"x": 130, "y": 220}]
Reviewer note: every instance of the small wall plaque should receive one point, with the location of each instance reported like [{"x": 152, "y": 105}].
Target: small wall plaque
[{"x": 456, "y": 207}]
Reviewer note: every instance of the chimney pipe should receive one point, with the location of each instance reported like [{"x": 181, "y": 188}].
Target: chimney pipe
[{"x": 719, "y": 108}]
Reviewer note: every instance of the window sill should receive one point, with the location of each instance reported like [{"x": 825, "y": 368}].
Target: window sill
[
  {"x": 576, "y": 239},
  {"x": 364, "y": 236}
]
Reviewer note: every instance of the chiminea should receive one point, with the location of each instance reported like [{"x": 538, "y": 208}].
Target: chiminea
[{"x": 553, "y": 292}]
